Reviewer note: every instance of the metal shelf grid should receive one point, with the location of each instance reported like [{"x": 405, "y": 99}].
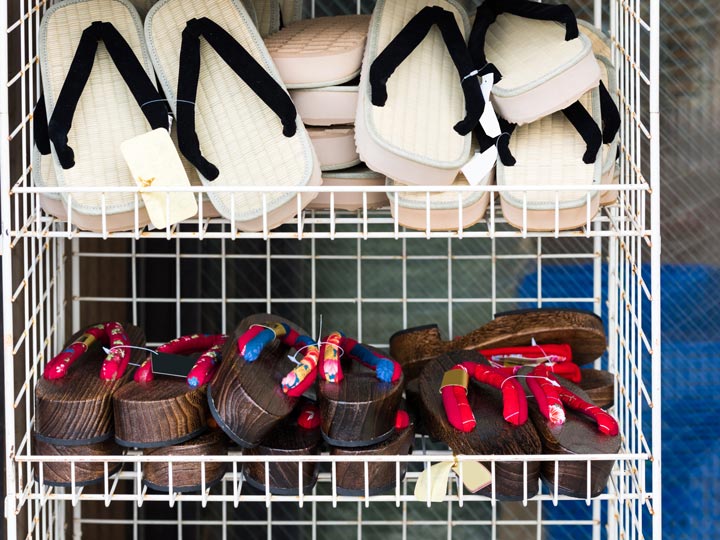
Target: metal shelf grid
[{"x": 44, "y": 298}]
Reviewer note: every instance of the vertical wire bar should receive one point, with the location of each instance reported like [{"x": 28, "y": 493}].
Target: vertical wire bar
[{"x": 655, "y": 260}]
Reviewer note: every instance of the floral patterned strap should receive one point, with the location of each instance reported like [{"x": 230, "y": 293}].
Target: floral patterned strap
[
  {"x": 252, "y": 342},
  {"x": 558, "y": 357},
  {"x": 334, "y": 345},
  {"x": 209, "y": 344},
  {"x": 111, "y": 335}
]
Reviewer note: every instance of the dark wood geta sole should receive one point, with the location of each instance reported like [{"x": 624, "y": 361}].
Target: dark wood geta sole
[
  {"x": 77, "y": 409},
  {"x": 160, "y": 413},
  {"x": 492, "y": 434},
  {"x": 59, "y": 474},
  {"x": 381, "y": 476},
  {"x": 245, "y": 398},
  {"x": 187, "y": 476}
]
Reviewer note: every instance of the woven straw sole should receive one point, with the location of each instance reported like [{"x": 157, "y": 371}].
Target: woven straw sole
[
  {"x": 291, "y": 10},
  {"x": 106, "y": 115},
  {"x": 360, "y": 177},
  {"x": 43, "y": 175},
  {"x": 599, "y": 41},
  {"x": 335, "y": 147},
  {"x": 331, "y": 106},
  {"x": 611, "y": 177},
  {"x": 411, "y": 138},
  {"x": 412, "y": 208},
  {"x": 267, "y": 16},
  {"x": 237, "y": 131},
  {"x": 319, "y": 52},
  {"x": 542, "y": 73},
  {"x": 549, "y": 151}
]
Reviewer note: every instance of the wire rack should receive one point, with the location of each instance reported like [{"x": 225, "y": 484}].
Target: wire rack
[{"x": 364, "y": 272}]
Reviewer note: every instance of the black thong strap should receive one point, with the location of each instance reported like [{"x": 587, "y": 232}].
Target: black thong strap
[
  {"x": 587, "y": 128},
  {"x": 610, "y": 115},
  {"x": 575, "y": 113},
  {"x": 502, "y": 141},
  {"x": 244, "y": 65},
  {"x": 490, "y": 9},
  {"x": 133, "y": 73},
  {"x": 408, "y": 39},
  {"x": 40, "y": 127}
]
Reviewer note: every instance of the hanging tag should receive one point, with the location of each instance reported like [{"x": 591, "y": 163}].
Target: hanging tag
[
  {"x": 475, "y": 476},
  {"x": 488, "y": 120},
  {"x": 154, "y": 161},
  {"x": 437, "y": 475},
  {"x": 480, "y": 165},
  {"x": 174, "y": 365}
]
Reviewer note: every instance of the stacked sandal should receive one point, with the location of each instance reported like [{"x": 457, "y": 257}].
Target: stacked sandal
[
  {"x": 359, "y": 394},
  {"x": 555, "y": 115},
  {"x": 81, "y": 413},
  {"x": 319, "y": 60},
  {"x": 482, "y": 409},
  {"x": 91, "y": 47}
]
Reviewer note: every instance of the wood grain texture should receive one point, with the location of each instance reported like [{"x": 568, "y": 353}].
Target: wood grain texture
[
  {"x": 59, "y": 474},
  {"x": 286, "y": 439},
  {"x": 77, "y": 409},
  {"x": 577, "y": 436},
  {"x": 246, "y": 398},
  {"x": 187, "y": 476},
  {"x": 382, "y": 477},
  {"x": 582, "y": 330},
  {"x": 492, "y": 434},
  {"x": 360, "y": 410},
  {"x": 162, "y": 412},
  {"x": 599, "y": 385}
]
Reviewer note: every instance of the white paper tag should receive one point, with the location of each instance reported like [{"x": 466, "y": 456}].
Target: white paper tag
[
  {"x": 480, "y": 165},
  {"x": 475, "y": 476},
  {"x": 437, "y": 475},
  {"x": 154, "y": 161},
  {"x": 488, "y": 120}
]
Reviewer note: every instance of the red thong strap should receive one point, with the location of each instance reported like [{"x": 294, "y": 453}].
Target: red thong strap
[
  {"x": 551, "y": 395},
  {"x": 111, "y": 335},
  {"x": 457, "y": 407},
  {"x": 209, "y": 345},
  {"x": 558, "y": 357}
]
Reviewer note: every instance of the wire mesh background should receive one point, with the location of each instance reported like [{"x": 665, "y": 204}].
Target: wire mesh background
[{"x": 354, "y": 291}]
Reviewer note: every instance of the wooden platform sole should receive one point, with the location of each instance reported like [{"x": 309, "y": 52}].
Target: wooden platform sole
[
  {"x": 577, "y": 436},
  {"x": 77, "y": 409},
  {"x": 187, "y": 476},
  {"x": 414, "y": 407},
  {"x": 159, "y": 413},
  {"x": 381, "y": 476},
  {"x": 492, "y": 434},
  {"x": 582, "y": 330},
  {"x": 287, "y": 439},
  {"x": 59, "y": 474},
  {"x": 245, "y": 398},
  {"x": 599, "y": 385}
]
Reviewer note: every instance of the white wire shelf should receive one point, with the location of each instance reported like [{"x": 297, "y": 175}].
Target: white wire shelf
[{"x": 127, "y": 485}]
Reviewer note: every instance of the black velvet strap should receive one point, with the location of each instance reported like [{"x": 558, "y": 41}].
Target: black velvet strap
[
  {"x": 40, "y": 127},
  {"x": 610, "y": 115},
  {"x": 502, "y": 141},
  {"x": 408, "y": 40},
  {"x": 587, "y": 128},
  {"x": 136, "y": 78},
  {"x": 244, "y": 65},
  {"x": 490, "y": 9}
]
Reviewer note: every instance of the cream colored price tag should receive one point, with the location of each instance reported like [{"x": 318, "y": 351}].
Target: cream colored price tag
[
  {"x": 475, "y": 476},
  {"x": 477, "y": 169},
  {"x": 437, "y": 478},
  {"x": 154, "y": 161}
]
